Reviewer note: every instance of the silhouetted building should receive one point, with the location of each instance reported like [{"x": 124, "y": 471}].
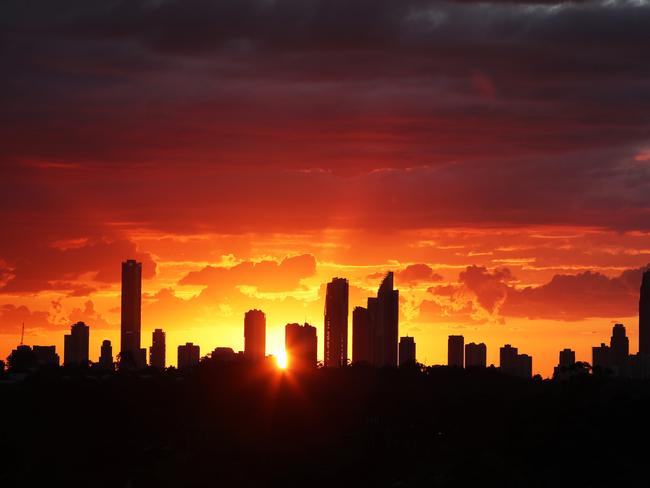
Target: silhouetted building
[
  {"x": 223, "y": 355},
  {"x": 475, "y": 355},
  {"x": 361, "y": 336},
  {"x": 455, "y": 351},
  {"x": 524, "y": 366},
  {"x": 106, "y": 356},
  {"x": 157, "y": 352},
  {"x": 336, "y": 323},
  {"x": 619, "y": 348},
  {"x": 566, "y": 367},
  {"x": 46, "y": 355},
  {"x": 384, "y": 323},
  {"x": 406, "y": 351},
  {"x": 508, "y": 359},
  {"x": 255, "y": 335},
  {"x": 75, "y": 345},
  {"x": 131, "y": 354},
  {"x": 2, "y": 367},
  {"x": 601, "y": 357},
  {"x": 567, "y": 358},
  {"x": 301, "y": 346},
  {"x": 638, "y": 366},
  {"x": 22, "y": 359},
  {"x": 644, "y": 315},
  {"x": 188, "y": 355}
]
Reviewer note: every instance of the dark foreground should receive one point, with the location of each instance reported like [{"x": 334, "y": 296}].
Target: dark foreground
[{"x": 235, "y": 426}]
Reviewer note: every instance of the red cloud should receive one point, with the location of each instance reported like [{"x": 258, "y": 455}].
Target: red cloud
[
  {"x": 267, "y": 276},
  {"x": 410, "y": 275},
  {"x": 490, "y": 288},
  {"x": 416, "y": 273},
  {"x": 565, "y": 297},
  {"x": 12, "y": 317},
  {"x": 574, "y": 297},
  {"x": 90, "y": 316},
  {"x": 39, "y": 267}
]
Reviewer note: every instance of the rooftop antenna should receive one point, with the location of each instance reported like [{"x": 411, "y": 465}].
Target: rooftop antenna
[{"x": 22, "y": 334}]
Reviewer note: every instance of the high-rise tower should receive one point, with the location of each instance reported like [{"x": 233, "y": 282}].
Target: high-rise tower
[
  {"x": 406, "y": 351},
  {"x": 75, "y": 345},
  {"x": 130, "y": 353},
  {"x": 475, "y": 355},
  {"x": 619, "y": 346},
  {"x": 255, "y": 335},
  {"x": 384, "y": 318},
  {"x": 301, "y": 346},
  {"x": 157, "y": 352},
  {"x": 106, "y": 355},
  {"x": 361, "y": 336},
  {"x": 336, "y": 323},
  {"x": 456, "y": 351}
]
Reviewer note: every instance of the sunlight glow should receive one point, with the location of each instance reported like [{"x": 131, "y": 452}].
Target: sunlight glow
[{"x": 281, "y": 359}]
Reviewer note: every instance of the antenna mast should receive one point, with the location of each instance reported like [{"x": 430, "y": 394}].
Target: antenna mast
[{"x": 22, "y": 334}]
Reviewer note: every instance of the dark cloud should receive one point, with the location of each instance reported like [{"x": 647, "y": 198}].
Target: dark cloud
[{"x": 370, "y": 113}]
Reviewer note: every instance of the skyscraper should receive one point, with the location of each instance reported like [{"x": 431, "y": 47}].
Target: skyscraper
[
  {"x": 508, "y": 359},
  {"x": 157, "y": 350},
  {"x": 601, "y": 357},
  {"x": 406, "y": 351},
  {"x": 455, "y": 351},
  {"x": 46, "y": 355},
  {"x": 644, "y": 315},
  {"x": 361, "y": 336},
  {"x": 384, "y": 320},
  {"x": 515, "y": 364},
  {"x": 255, "y": 335},
  {"x": 22, "y": 359},
  {"x": 336, "y": 323},
  {"x": 223, "y": 355},
  {"x": 475, "y": 355},
  {"x": 188, "y": 355},
  {"x": 567, "y": 358},
  {"x": 75, "y": 345},
  {"x": 565, "y": 368},
  {"x": 619, "y": 346},
  {"x": 301, "y": 346},
  {"x": 106, "y": 355},
  {"x": 524, "y": 366},
  {"x": 131, "y": 355}
]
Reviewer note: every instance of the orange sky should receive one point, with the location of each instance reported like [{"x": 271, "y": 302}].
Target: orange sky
[{"x": 203, "y": 284}]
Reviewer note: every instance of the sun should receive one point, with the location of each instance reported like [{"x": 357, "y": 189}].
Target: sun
[{"x": 281, "y": 359}]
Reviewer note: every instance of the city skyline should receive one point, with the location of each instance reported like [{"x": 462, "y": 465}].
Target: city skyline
[
  {"x": 311, "y": 243},
  {"x": 374, "y": 331},
  {"x": 498, "y": 164}
]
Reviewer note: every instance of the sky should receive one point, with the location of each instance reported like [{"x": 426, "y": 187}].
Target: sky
[{"x": 494, "y": 155}]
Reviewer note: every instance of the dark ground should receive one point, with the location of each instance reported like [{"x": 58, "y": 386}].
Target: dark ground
[{"x": 232, "y": 425}]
